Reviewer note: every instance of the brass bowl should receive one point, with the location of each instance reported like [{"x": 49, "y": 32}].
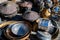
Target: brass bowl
[{"x": 9, "y": 35}]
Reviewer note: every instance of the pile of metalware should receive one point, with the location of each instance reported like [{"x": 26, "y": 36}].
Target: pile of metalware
[{"x": 29, "y": 19}]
